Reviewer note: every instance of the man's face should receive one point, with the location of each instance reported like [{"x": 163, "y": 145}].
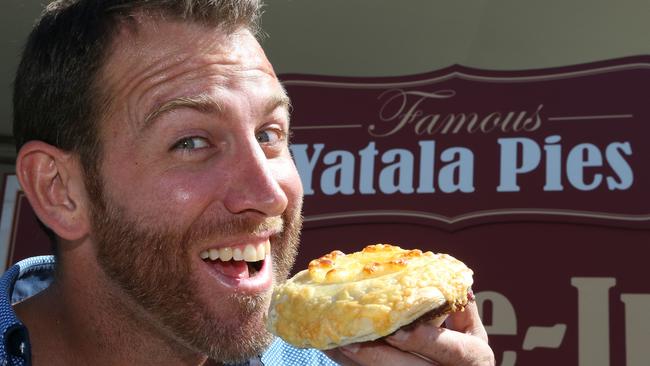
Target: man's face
[{"x": 195, "y": 163}]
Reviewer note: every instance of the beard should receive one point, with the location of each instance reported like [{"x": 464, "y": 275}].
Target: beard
[{"x": 152, "y": 265}]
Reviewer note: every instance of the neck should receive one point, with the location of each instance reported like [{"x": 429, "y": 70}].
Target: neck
[{"x": 96, "y": 324}]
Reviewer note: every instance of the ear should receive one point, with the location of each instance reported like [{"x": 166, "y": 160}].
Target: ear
[{"x": 53, "y": 183}]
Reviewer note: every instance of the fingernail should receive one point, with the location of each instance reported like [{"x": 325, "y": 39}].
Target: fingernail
[
  {"x": 400, "y": 336},
  {"x": 351, "y": 348}
]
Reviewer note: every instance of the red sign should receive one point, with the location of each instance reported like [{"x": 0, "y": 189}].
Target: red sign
[{"x": 538, "y": 180}]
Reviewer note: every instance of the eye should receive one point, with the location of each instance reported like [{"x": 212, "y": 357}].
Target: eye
[
  {"x": 191, "y": 143},
  {"x": 270, "y": 136}
]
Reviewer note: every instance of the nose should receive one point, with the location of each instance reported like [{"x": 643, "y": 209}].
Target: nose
[{"x": 256, "y": 185}]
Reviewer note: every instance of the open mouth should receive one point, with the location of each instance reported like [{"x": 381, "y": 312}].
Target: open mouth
[{"x": 238, "y": 262}]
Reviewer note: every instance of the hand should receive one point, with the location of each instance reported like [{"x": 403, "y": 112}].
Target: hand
[{"x": 463, "y": 343}]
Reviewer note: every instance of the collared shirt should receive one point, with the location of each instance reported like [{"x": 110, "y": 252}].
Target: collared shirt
[{"x": 32, "y": 275}]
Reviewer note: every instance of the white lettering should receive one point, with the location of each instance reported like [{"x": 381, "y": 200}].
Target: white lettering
[
  {"x": 512, "y": 165},
  {"x": 553, "y": 164},
  {"x": 398, "y": 176},
  {"x": 619, "y": 165},
  {"x": 305, "y": 164},
  {"x": 367, "y": 171},
  {"x": 427, "y": 166},
  {"x": 339, "y": 176},
  {"x": 593, "y": 319},
  {"x": 581, "y": 157},
  {"x": 458, "y": 175},
  {"x": 637, "y": 328}
]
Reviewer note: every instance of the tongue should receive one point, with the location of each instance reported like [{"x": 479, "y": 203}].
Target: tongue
[{"x": 236, "y": 269}]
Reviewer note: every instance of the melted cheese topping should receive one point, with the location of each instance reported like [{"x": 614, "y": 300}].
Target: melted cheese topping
[{"x": 342, "y": 299}]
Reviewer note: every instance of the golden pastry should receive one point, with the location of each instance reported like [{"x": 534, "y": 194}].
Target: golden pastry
[{"x": 342, "y": 299}]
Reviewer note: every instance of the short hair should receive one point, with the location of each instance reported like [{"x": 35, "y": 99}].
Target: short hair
[{"x": 57, "y": 96}]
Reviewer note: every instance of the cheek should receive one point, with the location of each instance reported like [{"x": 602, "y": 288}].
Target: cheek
[
  {"x": 182, "y": 196},
  {"x": 186, "y": 193},
  {"x": 173, "y": 198}
]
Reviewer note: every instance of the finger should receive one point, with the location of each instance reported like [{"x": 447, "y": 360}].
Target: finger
[
  {"x": 467, "y": 321},
  {"x": 337, "y": 356},
  {"x": 445, "y": 346},
  {"x": 378, "y": 353}
]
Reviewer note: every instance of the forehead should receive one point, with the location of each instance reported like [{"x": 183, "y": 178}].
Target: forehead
[
  {"x": 152, "y": 60},
  {"x": 154, "y": 36}
]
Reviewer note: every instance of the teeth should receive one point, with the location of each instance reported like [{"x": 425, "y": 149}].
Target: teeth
[
  {"x": 225, "y": 254},
  {"x": 250, "y": 253},
  {"x": 237, "y": 254},
  {"x": 261, "y": 252}
]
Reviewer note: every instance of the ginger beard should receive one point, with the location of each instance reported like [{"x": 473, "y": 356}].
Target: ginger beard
[{"x": 153, "y": 267}]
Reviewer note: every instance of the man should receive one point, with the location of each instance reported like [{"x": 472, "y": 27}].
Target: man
[{"x": 153, "y": 144}]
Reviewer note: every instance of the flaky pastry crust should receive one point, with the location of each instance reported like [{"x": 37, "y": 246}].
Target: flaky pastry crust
[{"x": 342, "y": 299}]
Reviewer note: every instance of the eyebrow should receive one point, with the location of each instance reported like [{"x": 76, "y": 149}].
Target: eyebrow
[
  {"x": 202, "y": 103},
  {"x": 208, "y": 104},
  {"x": 279, "y": 100}
]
